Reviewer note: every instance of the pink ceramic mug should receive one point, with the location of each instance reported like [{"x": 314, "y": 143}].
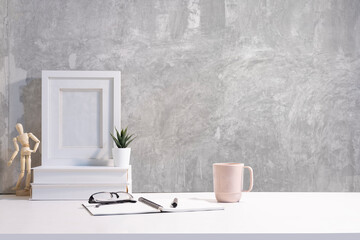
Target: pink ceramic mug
[{"x": 228, "y": 181}]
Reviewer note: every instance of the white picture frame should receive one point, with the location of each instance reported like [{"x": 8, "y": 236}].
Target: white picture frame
[{"x": 79, "y": 110}]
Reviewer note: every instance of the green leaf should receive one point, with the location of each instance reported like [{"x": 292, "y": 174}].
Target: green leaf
[
  {"x": 123, "y": 139},
  {"x": 119, "y": 137},
  {"x": 115, "y": 140},
  {"x": 127, "y": 138},
  {"x": 117, "y": 134},
  {"x": 129, "y": 142}
]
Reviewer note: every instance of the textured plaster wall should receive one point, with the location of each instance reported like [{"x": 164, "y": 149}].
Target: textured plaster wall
[{"x": 273, "y": 84}]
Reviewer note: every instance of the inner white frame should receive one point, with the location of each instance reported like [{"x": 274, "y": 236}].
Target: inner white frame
[{"x": 91, "y": 109}]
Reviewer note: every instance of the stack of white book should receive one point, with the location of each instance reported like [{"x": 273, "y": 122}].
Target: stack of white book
[{"x": 78, "y": 183}]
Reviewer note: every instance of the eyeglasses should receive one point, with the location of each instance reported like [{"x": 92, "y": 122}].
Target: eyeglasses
[{"x": 104, "y": 198}]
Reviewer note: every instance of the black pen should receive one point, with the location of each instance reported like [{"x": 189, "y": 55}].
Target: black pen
[
  {"x": 174, "y": 203},
  {"x": 150, "y": 203}
]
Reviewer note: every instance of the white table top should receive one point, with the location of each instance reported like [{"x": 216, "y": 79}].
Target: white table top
[{"x": 256, "y": 213}]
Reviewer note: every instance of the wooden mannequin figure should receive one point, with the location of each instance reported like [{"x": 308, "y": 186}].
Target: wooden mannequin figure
[{"x": 25, "y": 158}]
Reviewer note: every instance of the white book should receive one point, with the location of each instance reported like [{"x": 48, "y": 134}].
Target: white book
[
  {"x": 184, "y": 205},
  {"x": 80, "y": 174},
  {"x": 74, "y": 191}
]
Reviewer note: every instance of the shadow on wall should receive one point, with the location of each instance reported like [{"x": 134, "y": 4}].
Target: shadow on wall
[
  {"x": 4, "y": 115},
  {"x": 30, "y": 97}
]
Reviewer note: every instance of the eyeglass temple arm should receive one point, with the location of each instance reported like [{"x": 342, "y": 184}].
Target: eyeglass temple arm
[
  {"x": 114, "y": 193},
  {"x": 91, "y": 199}
]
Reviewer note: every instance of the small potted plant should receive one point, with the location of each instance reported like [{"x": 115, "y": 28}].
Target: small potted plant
[{"x": 121, "y": 153}]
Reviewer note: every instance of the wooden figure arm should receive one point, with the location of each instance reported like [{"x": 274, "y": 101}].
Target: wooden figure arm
[
  {"x": 37, "y": 141},
  {"x": 16, "y": 145}
]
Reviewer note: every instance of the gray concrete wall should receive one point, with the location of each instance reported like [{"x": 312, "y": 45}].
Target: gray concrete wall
[{"x": 273, "y": 84}]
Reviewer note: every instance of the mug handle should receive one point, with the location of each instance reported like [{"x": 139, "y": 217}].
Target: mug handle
[{"x": 251, "y": 179}]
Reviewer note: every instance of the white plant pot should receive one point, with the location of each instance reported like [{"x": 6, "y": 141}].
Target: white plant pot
[{"x": 121, "y": 157}]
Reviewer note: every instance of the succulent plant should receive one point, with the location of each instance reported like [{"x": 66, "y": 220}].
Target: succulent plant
[{"x": 122, "y": 139}]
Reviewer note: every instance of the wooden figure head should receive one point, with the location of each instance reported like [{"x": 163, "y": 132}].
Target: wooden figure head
[{"x": 19, "y": 128}]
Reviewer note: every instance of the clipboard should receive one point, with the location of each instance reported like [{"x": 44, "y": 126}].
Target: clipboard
[{"x": 184, "y": 205}]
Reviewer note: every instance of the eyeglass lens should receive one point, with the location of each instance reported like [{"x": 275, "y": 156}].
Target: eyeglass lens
[{"x": 111, "y": 196}]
